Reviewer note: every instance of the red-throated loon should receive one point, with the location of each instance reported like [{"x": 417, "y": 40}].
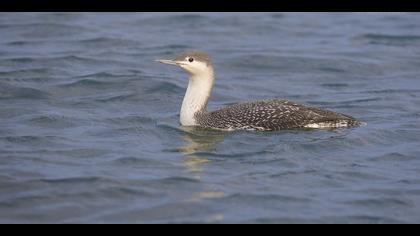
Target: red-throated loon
[{"x": 263, "y": 115}]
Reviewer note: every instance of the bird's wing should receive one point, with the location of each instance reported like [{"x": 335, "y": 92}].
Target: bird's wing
[{"x": 273, "y": 114}]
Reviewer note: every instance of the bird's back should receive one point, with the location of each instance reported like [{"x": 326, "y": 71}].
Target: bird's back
[{"x": 273, "y": 115}]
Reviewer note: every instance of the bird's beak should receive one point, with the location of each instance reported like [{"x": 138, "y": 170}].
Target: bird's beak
[{"x": 171, "y": 62}]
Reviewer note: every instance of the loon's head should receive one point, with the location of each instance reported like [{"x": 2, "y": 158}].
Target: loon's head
[
  {"x": 199, "y": 66},
  {"x": 196, "y": 63}
]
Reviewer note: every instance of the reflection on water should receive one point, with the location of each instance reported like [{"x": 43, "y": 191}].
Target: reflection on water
[
  {"x": 207, "y": 195},
  {"x": 199, "y": 140},
  {"x": 194, "y": 163}
]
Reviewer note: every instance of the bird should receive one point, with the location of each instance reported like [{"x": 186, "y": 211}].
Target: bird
[{"x": 262, "y": 115}]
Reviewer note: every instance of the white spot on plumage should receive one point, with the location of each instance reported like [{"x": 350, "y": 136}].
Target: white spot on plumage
[{"x": 325, "y": 125}]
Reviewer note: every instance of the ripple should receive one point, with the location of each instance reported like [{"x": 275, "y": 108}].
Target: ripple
[
  {"x": 278, "y": 15},
  {"x": 262, "y": 198},
  {"x": 67, "y": 61},
  {"x": 335, "y": 85},
  {"x": 16, "y": 92},
  {"x": 389, "y": 202},
  {"x": 165, "y": 87},
  {"x": 80, "y": 152},
  {"x": 130, "y": 119},
  {"x": 89, "y": 123},
  {"x": 393, "y": 40},
  {"x": 301, "y": 64},
  {"x": 85, "y": 83},
  {"x": 30, "y": 141},
  {"x": 25, "y": 73},
  {"x": 82, "y": 180},
  {"x": 173, "y": 19},
  {"x": 394, "y": 91},
  {"x": 164, "y": 50},
  {"x": 101, "y": 42},
  {"x": 138, "y": 161},
  {"x": 161, "y": 213},
  {"x": 111, "y": 75},
  {"x": 175, "y": 180},
  {"x": 115, "y": 96},
  {"x": 350, "y": 219},
  {"x": 26, "y": 60},
  {"x": 45, "y": 30},
  {"x": 170, "y": 128},
  {"x": 55, "y": 121},
  {"x": 242, "y": 155},
  {"x": 394, "y": 157}
]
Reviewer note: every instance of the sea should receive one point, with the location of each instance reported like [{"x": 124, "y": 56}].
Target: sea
[{"x": 90, "y": 132}]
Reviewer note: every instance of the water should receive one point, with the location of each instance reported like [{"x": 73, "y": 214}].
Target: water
[{"x": 89, "y": 128}]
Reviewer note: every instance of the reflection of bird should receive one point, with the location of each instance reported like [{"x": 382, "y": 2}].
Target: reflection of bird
[
  {"x": 199, "y": 140},
  {"x": 259, "y": 115}
]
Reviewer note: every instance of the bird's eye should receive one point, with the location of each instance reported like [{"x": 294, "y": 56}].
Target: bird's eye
[{"x": 190, "y": 59}]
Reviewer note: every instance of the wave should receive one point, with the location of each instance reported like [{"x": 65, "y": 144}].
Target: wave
[
  {"x": 100, "y": 42},
  {"x": 78, "y": 179},
  {"x": 172, "y": 19},
  {"x": 115, "y": 96},
  {"x": 46, "y": 30},
  {"x": 8, "y": 91},
  {"x": 69, "y": 60},
  {"x": 163, "y": 87},
  {"x": 127, "y": 119},
  {"x": 24, "y": 72},
  {"x": 393, "y": 91},
  {"x": 32, "y": 139},
  {"x": 392, "y": 40},
  {"x": 87, "y": 83},
  {"x": 140, "y": 162},
  {"x": 335, "y": 85},
  {"x": 303, "y": 64},
  {"x": 394, "y": 157},
  {"x": 349, "y": 219},
  {"x": 55, "y": 121}
]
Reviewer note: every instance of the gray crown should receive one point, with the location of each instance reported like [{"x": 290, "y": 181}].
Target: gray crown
[{"x": 197, "y": 55}]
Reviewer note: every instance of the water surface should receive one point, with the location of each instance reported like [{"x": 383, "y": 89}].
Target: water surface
[{"x": 89, "y": 129}]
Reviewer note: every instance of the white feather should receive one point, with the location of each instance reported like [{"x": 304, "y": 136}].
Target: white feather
[{"x": 197, "y": 95}]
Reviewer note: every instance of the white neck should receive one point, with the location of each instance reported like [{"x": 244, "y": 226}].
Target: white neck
[{"x": 196, "y": 97}]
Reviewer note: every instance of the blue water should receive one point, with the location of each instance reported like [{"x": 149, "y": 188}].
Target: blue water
[{"x": 89, "y": 123}]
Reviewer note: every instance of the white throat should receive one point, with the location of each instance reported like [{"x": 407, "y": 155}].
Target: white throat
[{"x": 196, "y": 97}]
